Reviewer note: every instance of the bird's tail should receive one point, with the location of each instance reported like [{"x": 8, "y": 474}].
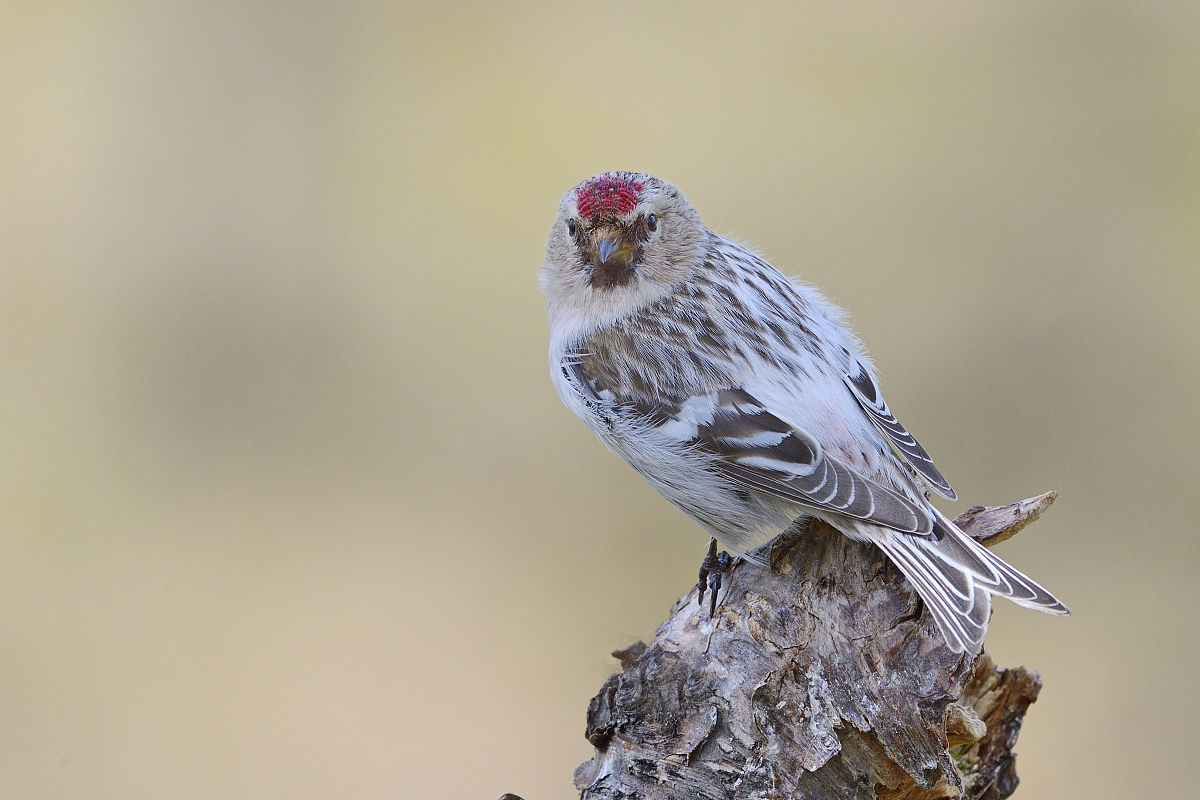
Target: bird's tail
[{"x": 956, "y": 576}]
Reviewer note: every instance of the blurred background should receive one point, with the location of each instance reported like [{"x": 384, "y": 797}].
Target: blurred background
[{"x": 288, "y": 505}]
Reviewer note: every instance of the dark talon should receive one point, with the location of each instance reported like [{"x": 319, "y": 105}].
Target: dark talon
[{"x": 711, "y": 569}]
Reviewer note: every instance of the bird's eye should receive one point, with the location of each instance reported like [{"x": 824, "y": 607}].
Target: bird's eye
[
  {"x": 652, "y": 222},
  {"x": 571, "y": 227}
]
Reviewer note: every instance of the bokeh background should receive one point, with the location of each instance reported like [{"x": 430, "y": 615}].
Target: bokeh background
[{"x": 288, "y": 506}]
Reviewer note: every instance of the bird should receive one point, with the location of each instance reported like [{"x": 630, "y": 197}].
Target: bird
[{"x": 744, "y": 398}]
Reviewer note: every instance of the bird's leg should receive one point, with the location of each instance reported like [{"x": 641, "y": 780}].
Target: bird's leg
[{"x": 711, "y": 569}]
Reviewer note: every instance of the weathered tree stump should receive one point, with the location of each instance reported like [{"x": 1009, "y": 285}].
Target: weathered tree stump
[{"x": 819, "y": 677}]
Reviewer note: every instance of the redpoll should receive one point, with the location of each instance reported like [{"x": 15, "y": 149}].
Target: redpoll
[{"x": 744, "y": 399}]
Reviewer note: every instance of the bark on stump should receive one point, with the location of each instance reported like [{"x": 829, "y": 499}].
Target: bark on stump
[{"x": 819, "y": 677}]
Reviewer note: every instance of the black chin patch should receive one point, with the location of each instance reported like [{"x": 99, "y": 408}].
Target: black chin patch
[{"x": 608, "y": 276}]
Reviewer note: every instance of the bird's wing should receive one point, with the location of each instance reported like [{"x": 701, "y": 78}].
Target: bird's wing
[
  {"x": 760, "y": 451},
  {"x": 865, "y": 389}
]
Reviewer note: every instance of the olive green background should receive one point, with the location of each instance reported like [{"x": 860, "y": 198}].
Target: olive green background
[{"x": 288, "y": 505}]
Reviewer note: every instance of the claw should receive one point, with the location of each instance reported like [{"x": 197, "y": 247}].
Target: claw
[{"x": 711, "y": 569}]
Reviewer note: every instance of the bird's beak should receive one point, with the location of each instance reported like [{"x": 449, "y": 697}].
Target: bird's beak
[
  {"x": 613, "y": 253},
  {"x": 606, "y": 247},
  {"x": 611, "y": 247}
]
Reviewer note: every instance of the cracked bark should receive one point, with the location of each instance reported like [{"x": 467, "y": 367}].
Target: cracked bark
[{"x": 819, "y": 677}]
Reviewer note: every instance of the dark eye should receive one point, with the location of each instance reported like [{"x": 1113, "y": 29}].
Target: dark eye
[
  {"x": 571, "y": 227},
  {"x": 652, "y": 222}
]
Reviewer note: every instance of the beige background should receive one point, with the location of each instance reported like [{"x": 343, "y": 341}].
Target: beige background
[{"x": 288, "y": 506}]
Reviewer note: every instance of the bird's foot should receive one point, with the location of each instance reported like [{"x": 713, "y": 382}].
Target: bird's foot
[{"x": 711, "y": 570}]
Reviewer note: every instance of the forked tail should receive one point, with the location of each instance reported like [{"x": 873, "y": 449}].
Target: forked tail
[{"x": 956, "y": 576}]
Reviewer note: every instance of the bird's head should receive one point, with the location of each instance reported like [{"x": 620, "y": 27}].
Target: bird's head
[{"x": 621, "y": 241}]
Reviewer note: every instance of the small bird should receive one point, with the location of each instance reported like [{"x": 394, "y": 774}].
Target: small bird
[{"x": 744, "y": 398}]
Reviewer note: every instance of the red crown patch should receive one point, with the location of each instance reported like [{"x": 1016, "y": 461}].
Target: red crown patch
[{"x": 611, "y": 193}]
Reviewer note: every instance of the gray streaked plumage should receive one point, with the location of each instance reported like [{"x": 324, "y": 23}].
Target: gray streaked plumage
[{"x": 743, "y": 398}]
